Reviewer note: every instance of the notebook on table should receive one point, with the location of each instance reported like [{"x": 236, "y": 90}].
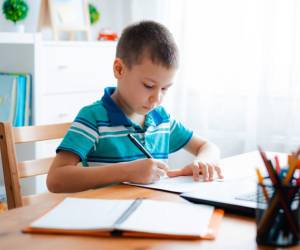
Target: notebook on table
[
  {"x": 234, "y": 194},
  {"x": 135, "y": 218},
  {"x": 237, "y": 194}
]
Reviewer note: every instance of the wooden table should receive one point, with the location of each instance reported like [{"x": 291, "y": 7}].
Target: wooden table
[{"x": 236, "y": 232}]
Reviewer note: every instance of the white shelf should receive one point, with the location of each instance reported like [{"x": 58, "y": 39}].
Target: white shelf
[
  {"x": 19, "y": 38},
  {"x": 31, "y": 38},
  {"x": 66, "y": 75},
  {"x": 80, "y": 43}
]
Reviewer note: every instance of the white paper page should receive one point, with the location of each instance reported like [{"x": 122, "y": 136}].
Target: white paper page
[
  {"x": 169, "y": 218},
  {"x": 179, "y": 184},
  {"x": 241, "y": 167},
  {"x": 79, "y": 213}
]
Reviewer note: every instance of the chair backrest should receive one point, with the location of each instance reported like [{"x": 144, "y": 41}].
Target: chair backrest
[{"x": 14, "y": 170}]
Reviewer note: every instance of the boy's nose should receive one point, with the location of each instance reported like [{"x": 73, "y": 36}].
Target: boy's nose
[{"x": 155, "y": 97}]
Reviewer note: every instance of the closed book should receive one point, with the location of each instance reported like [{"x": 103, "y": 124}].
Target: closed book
[
  {"x": 8, "y": 85},
  {"x": 21, "y": 101},
  {"x": 28, "y": 111}
]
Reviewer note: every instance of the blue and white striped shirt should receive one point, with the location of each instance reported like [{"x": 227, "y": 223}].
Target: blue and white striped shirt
[{"x": 98, "y": 134}]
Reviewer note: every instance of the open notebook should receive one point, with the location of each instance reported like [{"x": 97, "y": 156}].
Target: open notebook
[{"x": 137, "y": 218}]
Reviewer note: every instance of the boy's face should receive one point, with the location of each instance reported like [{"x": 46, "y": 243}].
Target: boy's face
[{"x": 142, "y": 87}]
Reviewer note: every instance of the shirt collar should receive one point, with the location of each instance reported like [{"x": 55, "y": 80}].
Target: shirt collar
[
  {"x": 117, "y": 116},
  {"x": 153, "y": 118}
]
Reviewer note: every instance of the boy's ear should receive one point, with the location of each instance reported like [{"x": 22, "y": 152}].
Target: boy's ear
[{"x": 118, "y": 68}]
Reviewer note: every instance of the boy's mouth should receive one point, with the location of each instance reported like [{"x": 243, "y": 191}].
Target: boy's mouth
[{"x": 148, "y": 108}]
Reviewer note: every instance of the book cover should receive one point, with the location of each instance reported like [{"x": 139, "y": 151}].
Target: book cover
[
  {"x": 28, "y": 111},
  {"x": 8, "y": 87},
  {"x": 21, "y": 101}
]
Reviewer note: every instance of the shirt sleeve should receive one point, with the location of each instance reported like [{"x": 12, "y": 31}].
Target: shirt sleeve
[
  {"x": 82, "y": 136},
  {"x": 179, "y": 136}
]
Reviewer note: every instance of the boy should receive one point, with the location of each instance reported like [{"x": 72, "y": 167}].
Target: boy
[{"x": 145, "y": 64}]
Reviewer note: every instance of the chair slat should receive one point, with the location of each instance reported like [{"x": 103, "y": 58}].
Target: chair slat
[
  {"x": 34, "y": 167},
  {"x": 40, "y": 133},
  {"x": 14, "y": 170},
  {"x": 10, "y": 166}
]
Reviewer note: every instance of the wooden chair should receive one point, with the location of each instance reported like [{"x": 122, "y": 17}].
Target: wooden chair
[{"x": 14, "y": 170}]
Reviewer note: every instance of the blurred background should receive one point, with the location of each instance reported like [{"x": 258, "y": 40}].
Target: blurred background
[{"x": 239, "y": 79}]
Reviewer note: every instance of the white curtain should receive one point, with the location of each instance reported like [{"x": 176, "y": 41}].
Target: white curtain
[{"x": 238, "y": 83}]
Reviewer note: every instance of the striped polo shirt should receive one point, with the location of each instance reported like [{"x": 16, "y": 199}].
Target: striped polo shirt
[{"x": 98, "y": 134}]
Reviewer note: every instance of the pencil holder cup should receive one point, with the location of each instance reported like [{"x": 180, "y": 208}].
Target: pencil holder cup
[{"x": 278, "y": 215}]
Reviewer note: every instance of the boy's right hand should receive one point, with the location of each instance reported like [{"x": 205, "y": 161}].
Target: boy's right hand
[{"x": 146, "y": 171}]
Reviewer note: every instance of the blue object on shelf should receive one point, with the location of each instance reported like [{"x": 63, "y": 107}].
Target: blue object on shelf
[
  {"x": 15, "y": 98},
  {"x": 8, "y": 87},
  {"x": 21, "y": 99}
]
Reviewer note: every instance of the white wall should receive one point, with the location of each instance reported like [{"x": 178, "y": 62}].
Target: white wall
[{"x": 115, "y": 14}]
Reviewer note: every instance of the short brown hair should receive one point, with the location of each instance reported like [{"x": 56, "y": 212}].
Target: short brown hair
[{"x": 147, "y": 38}]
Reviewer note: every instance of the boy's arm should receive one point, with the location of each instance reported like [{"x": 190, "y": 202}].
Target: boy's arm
[
  {"x": 207, "y": 156},
  {"x": 65, "y": 175},
  {"x": 203, "y": 150}
]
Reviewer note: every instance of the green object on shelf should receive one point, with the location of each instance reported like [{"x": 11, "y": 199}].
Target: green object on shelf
[
  {"x": 15, "y": 10},
  {"x": 94, "y": 14}
]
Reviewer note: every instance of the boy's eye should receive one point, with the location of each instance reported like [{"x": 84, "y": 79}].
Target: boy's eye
[{"x": 148, "y": 86}]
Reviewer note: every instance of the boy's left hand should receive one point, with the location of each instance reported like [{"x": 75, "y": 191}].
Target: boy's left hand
[{"x": 199, "y": 170}]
